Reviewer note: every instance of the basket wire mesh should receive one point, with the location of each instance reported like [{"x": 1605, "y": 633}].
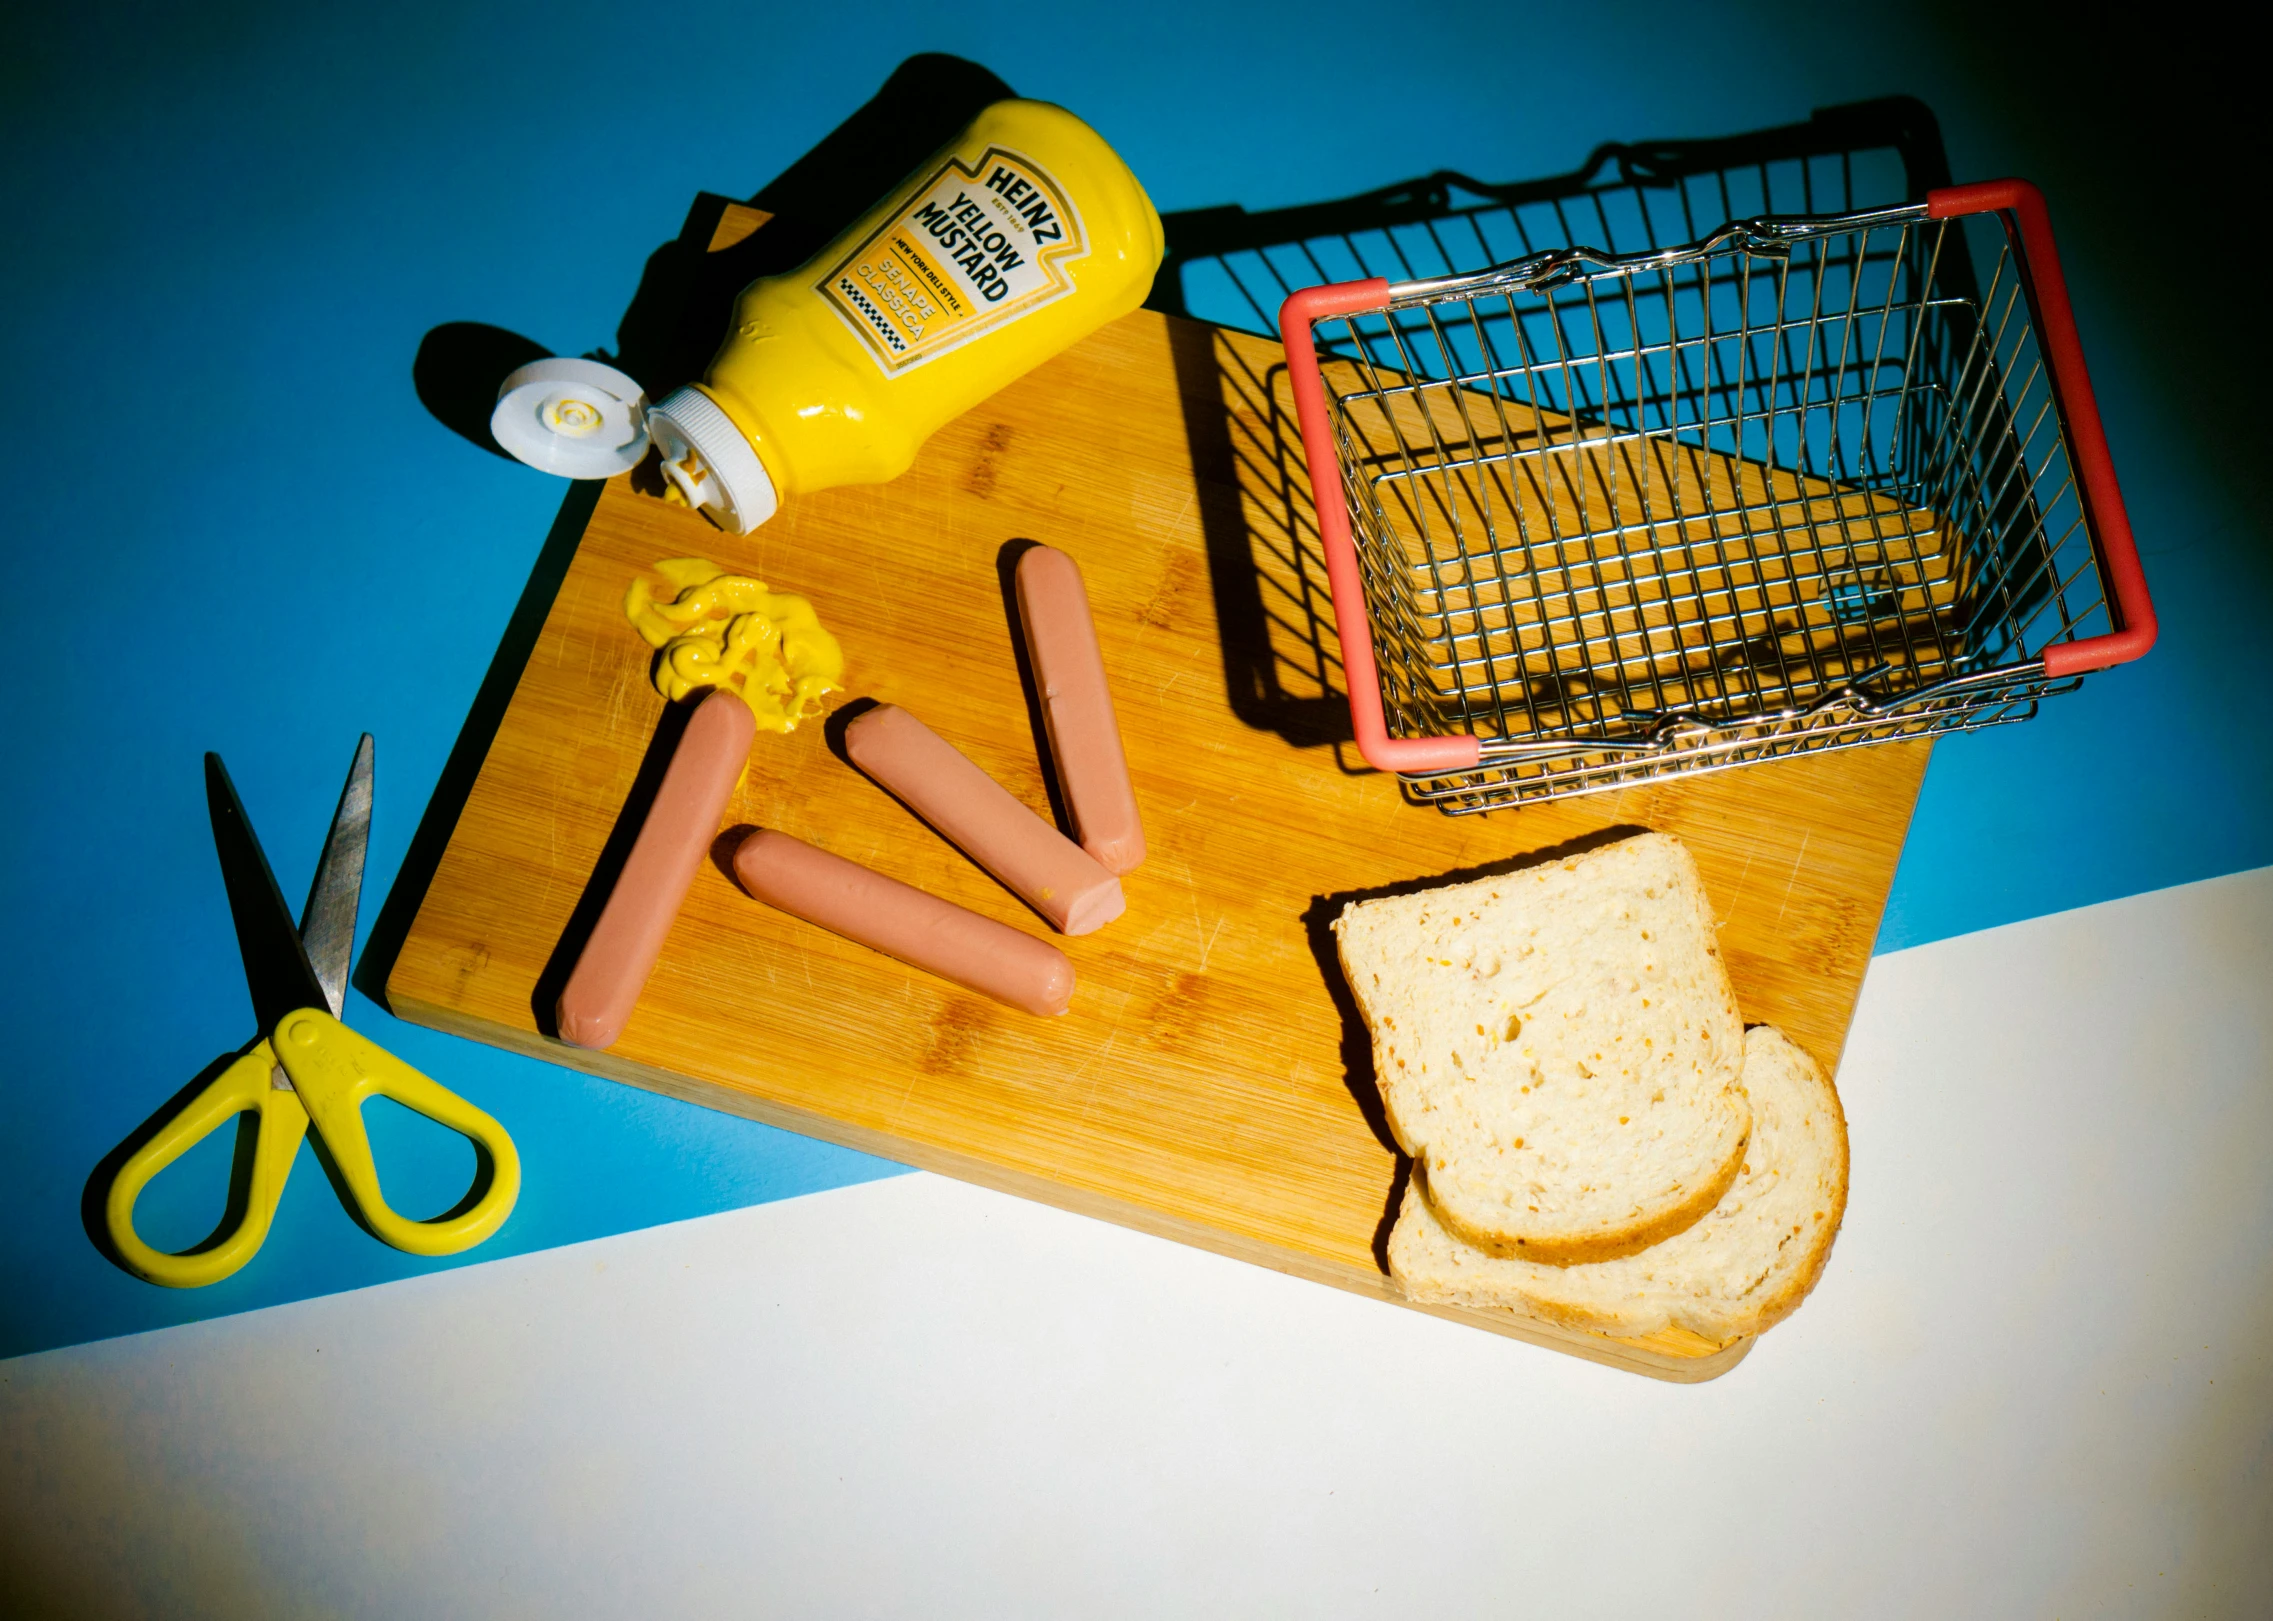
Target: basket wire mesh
[
  {"x": 1622, "y": 511},
  {"x": 1774, "y": 492},
  {"x": 1235, "y": 268}
]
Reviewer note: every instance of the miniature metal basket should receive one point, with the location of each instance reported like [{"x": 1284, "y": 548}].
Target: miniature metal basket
[{"x": 1590, "y": 519}]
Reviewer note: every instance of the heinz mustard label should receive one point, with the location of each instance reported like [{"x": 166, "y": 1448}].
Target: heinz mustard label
[{"x": 976, "y": 248}]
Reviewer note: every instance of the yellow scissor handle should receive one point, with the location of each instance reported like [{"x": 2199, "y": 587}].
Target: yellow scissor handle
[
  {"x": 336, "y": 1072},
  {"x": 249, "y": 1084}
]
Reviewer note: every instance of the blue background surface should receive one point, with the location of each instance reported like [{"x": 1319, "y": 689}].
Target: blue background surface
[{"x": 232, "y": 526}]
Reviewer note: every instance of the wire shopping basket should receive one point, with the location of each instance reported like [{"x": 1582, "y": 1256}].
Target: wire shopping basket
[{"x": 1591, "y": 518}]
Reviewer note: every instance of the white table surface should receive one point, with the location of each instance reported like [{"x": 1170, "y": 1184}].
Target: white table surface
[{"x": 2036, "y": 1380}]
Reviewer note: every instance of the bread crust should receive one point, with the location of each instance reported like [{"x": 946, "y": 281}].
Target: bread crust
[
  {"x": 1580, "y": 1251},
  {"x": 1692, "y": 1195},
  {"x": 1787, "y": 1300},
  {"x": 1715, "y": 1314}
]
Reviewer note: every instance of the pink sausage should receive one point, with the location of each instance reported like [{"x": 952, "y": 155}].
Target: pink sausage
[
  {"x": 984, "y": 820},
  {"x": 614, "y": 965},
  {"x": 901, "y": 921},
  {"x": 1077, "y": 709}
]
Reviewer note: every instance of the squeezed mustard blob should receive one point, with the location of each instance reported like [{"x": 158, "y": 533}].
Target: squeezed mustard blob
[{"x": 717, "y": 629}]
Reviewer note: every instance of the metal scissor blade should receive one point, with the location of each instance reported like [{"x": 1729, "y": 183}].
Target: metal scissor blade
[
  {"x": 327, "y": 922},
  {"x": 277, "y": 970}
]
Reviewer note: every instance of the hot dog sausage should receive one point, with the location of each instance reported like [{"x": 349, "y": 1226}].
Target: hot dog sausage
[
  {"x": 984, "y": 820},
  {"x": 615, "y": 962},
  {"x": 901, "y": 921},
  {"x": 1077, "y": 709}
]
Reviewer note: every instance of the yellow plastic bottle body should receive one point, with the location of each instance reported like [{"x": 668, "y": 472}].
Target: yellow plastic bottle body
[{"x": 834, "y": 383}]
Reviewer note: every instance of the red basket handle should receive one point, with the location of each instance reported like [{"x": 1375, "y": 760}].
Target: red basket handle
[
  {"x": 2087, "y": 439},
  {"x": 1355, "y": 630},
  {"x": 2071, "y": 382}
]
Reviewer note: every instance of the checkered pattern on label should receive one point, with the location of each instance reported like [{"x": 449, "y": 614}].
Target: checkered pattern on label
[{"x": 875, "y": 316}]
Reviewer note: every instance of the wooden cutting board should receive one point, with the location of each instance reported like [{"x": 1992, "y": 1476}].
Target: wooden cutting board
[{"x": 1212, "y": 1083}]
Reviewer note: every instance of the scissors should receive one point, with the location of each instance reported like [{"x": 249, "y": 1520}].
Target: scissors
[{"x": 306, "y": 1069}]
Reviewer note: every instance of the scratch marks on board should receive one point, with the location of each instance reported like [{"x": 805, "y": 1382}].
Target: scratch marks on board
[
  {"x": 1201, "y": 933},
  {"x": 1794, "y": 878}
]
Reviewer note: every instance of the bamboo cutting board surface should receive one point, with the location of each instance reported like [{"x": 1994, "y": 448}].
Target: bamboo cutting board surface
[{"x": 1212, "y": 1082}]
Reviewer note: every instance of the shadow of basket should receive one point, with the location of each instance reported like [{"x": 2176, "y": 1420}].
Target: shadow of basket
[{"x": 1232, "y": 269}]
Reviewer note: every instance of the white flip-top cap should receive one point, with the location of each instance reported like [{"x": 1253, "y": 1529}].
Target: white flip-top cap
[
  {"x": 575, "y": 418},
  {"x": 711, "y": 466}
]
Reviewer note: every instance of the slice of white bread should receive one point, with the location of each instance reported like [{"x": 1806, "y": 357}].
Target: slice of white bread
[
  {"x": 1744, "y": 1268},
  {"x": 1559, "y": 1047}
]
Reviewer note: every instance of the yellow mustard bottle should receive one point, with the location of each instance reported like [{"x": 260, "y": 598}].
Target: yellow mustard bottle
[{"x": 1022, "y": 236}]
